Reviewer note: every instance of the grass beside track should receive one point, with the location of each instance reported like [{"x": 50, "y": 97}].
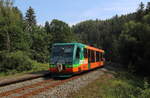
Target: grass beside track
[
  {"x": 38, "y": 67},
  {"x": 119, "y": 85}
]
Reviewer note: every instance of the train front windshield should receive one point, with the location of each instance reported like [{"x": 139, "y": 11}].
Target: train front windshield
[{"x": 62, "y": 54}]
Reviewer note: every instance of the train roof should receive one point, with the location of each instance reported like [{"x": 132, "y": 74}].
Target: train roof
[{"x": 82, "y": 45}]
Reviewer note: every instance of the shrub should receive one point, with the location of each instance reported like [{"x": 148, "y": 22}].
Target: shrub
[
  {"x": 15, "y": 61},
  {"x": 39, "y": 56}
]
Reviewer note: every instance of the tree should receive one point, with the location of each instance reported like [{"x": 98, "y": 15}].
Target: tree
[
  {"x": 40, "y": 44},
  {"x": 10, "y": 27},
  {"x": 61, "y": 32},
  {"x": 134, "y": 45},
  {"x": 30, "y": 19},
  {"x": 47, "y": 27},
  {"x": 13, "y": 42},
  {"x": 140, "y": 12},
  {"x": 148, "y": 8}
]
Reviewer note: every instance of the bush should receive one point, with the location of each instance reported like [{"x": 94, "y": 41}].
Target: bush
[
  {"x": 39, "y": 56},
  {"x": 126, "y": 85},
  {"x": 15, "y": 61}
]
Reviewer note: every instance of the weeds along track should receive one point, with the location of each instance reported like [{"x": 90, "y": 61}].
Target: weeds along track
[{"x": 35, "y": 88}]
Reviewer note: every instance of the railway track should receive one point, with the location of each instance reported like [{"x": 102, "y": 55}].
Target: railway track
[
  {"x": 36, "y": 88},
  {"x": 33, "y": 89},
  {"x": 23, "y": 78}
]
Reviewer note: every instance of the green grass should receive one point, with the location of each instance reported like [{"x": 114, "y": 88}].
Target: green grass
[
  {"x": 37, "y": 67},
  {"x": 40, "y": 66},
  {"x": 120, "y": 85}
]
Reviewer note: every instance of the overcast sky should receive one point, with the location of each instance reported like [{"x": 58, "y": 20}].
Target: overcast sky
[{"x": 74, "y": 11}]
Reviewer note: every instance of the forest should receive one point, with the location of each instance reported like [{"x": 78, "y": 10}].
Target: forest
[{"x": 125, "y": 38}]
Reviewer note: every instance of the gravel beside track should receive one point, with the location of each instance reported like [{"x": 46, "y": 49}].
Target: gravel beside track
[
  {"x": 45, "y": 88},
  {"x": 62, "y": 91}
]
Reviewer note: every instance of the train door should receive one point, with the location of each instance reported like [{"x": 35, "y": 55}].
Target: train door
[
  {"x": 89, "y": 59},
  {"x": 77, "y": 55},
  {"x": 86, "y": 59}
]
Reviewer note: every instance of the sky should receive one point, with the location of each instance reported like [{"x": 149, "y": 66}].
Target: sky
[{"x": 75, "y": 11}]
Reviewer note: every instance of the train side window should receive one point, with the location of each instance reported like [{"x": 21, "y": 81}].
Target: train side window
[
  {"x": 100, "y": 56},
  {"x": 85, "y": 53},
  {"x": 97, "y": 56},
  {"x": 92, "y": 56},
  {"x": 89, "y": 55},
  {"x": 78, "y": 53}
]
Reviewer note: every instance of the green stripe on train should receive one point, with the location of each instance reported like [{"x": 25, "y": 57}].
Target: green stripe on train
[{"x": 67, "y": 66}]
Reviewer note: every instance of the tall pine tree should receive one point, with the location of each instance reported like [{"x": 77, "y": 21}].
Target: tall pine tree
[
  {"x": 30, "y": 19},
  {"x": 47, "y": 27},
  {"x": 148, "y": 8},
  {"x": 140, "y": 12}
]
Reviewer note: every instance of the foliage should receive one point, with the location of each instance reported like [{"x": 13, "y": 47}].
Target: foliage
[
  {"x": 17, "y": 61},
  {"x": 123, "y": 85},
  {"x": 61, "y": 31},
  {"x": 134, "y": 44},
  {"x": 23, "y": 42},
  {"x": 47, "y": 27},
  {"x": 30, "y": 19},
  {"x": 11, "y": 33},
  {"x": 125, "y": 39},
  {"x": 103, "y": 34},
  {"x": 40, "y": 45}
]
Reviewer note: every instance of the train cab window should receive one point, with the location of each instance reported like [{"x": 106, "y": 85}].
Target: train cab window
[
  {"x": 78, "y": 53},
  {"x": 97, "y": 56},
  {"x": 85, "y": 53}
]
